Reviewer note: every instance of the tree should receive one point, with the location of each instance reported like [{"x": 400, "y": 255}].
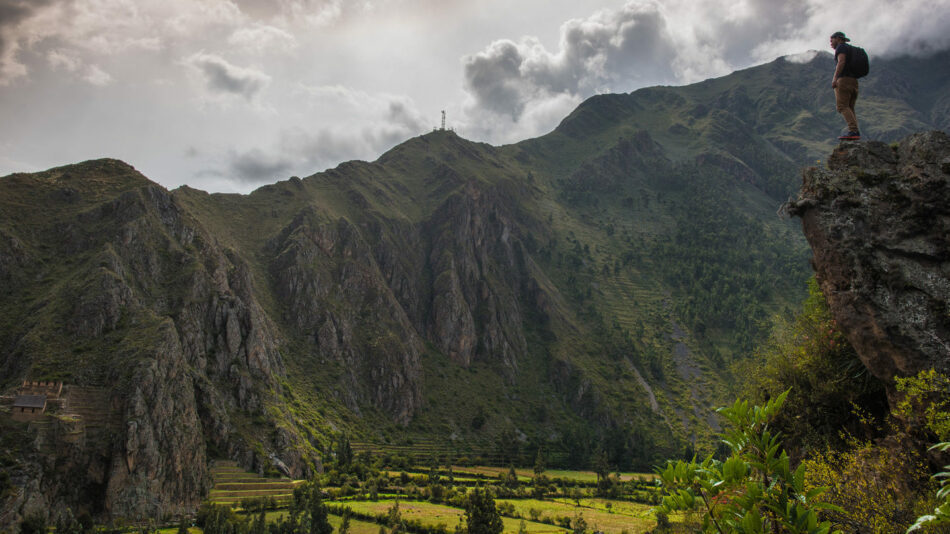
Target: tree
[
  {"x": 579, "y": 526},
  {"x": 344, "y": 452},
  {"x": 754, "y": 490},
  {"x": 941, "y": 513},
  {"x": 345, "y": 523},
  {"x": 481, "y": 516},
  {"x": 309, "y": 499},
  {"x": 511, "y": 479},
  {"x": 602, "y": 468},
  {"x": 395, "y": 521},
  {"x": 259, "y": 526},
  {"x": 67, "y": 523},
  {"x": 539, "y": 463}
]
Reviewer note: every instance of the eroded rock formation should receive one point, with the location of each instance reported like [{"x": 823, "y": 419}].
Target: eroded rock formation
[{"x": 878, "y": 221}]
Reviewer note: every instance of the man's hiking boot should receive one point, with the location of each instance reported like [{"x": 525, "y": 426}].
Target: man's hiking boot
[{"x": 850, "y": 136}]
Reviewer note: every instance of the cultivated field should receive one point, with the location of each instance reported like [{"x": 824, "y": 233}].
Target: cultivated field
[{"x": 569, "y": 498}]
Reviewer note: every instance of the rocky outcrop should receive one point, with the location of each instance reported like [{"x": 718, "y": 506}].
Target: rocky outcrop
[
  {"x": 180, "y": 345},
  {"x": 878, "y": 220},
  {"x": 479, "y": 273},
  {"x": 320, "y": 265}
]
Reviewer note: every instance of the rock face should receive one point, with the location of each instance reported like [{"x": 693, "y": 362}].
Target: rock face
[
  {"x": 878, "y": 220},
  {"x": 319, "y": 264},
  {"x": 181, "y": 346}
]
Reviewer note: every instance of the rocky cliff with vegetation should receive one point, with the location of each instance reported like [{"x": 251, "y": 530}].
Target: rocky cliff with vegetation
[
  {"x": 582, "y": 293},
  {"x": 878, "y": 221}
]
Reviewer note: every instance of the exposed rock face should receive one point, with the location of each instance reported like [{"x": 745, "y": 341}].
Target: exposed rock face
[
  {"x": 320, "y": 264},
  {"x": 189, "y": 348},
  {"x": 878, "y": 220},
  {"x": 478, "y": 272}
]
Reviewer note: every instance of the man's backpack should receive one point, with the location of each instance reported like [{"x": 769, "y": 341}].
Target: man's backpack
[{"x": 858, "y": 63}]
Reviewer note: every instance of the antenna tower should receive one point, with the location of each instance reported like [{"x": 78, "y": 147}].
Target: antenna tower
[{"x": 443, "y": 119}]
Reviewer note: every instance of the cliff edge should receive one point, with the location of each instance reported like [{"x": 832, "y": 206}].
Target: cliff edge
[{"x": 878, "y": 222}]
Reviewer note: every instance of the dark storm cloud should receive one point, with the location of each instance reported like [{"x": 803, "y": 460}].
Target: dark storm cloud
[
  {"x": 256, "y": 166},
  {"x": 224, "y": 77},
  {"x": 610, "y": 51},
  {"x": 12, "y": 12},
  {"x": 494, "y": 78}
]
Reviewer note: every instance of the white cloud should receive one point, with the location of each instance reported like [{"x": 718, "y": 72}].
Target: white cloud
[
  {"x": 375, "y": 123},
  {"x": 88, "y": 30},
  {"x": 13, "y": 13},
  {"x": 257, "y": 166},
  {"x": 63, "y": 59},
  {"x": 261, "y": 38},
  {"x": 70, "y": 62},
  {"x": 97, "y": 76}
]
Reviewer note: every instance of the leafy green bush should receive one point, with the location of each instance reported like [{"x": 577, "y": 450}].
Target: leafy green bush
[
  {"x": 878, "y": 487},
  {"x": 810, "y": 355},
  {"x": 754, "y": 490},
  {"x": 941, "y": 513}
]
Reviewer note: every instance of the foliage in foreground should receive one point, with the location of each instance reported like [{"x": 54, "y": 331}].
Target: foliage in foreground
[
  {"x": 871, "y": 459},
  {"x": 883, "y": 485},
  {"x": 811, "y": 355},
  {"x": 754, "y": 490},
  {"x": 941, "y": 513},
  {"x": 878, "y": 487}
]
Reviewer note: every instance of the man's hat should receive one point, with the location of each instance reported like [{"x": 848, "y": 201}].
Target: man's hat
[{"x": 840, "y": 35}]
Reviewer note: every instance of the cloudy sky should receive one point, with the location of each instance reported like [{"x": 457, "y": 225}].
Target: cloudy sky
[{"x": 227, "y": 95}]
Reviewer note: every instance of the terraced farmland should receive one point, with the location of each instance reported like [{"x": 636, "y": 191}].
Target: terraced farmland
[
  {"x": 232, "y": 484},
  {"x": 525, "y": 474}
]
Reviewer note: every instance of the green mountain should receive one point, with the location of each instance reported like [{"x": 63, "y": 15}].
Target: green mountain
[{"x": 582, "y": 291}]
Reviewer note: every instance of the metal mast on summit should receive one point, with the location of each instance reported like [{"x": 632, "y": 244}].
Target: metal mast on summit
[{"x": 443, "y": 119}]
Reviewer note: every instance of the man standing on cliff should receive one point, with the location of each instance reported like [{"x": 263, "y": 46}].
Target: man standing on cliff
[{"x": 845, "y": 84}]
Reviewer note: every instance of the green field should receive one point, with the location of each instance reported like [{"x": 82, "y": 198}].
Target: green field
[
  {"x": 528, "y": 474},
  {"x": 540, "y": 515},
  {"x": 356, "y": 526},
  {"x": 621, "y": 516},
  {"x": 435, "y": 514}
]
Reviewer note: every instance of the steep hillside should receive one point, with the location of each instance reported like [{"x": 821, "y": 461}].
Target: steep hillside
[{"x": 582, "y": 291}]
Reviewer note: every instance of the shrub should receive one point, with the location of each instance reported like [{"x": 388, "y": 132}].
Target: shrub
[
  {"x": 941, "y": 512},
  {"x": 754, "y": 490},
  {"x": 871, "y": 484},
  {"x": 811, "y": 356}
]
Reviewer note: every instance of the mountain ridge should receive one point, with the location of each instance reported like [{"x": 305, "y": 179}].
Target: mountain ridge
[{"x": 583, "y": 291}]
